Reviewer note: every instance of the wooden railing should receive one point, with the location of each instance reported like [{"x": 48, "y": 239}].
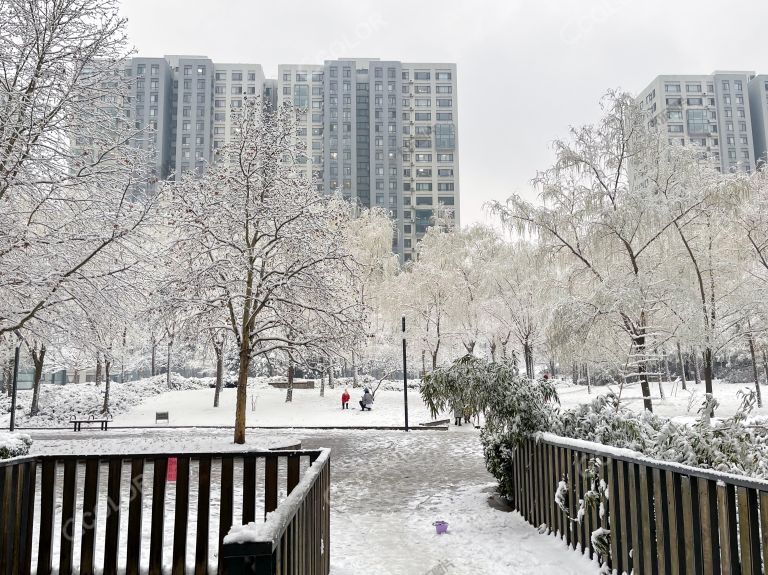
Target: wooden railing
[
  {"x": 293, "y": 541},
  {"x": 127, "y": 513},
  {"x": 663, "y": 518}
]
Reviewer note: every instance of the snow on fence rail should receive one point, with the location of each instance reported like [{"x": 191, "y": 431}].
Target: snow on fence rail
[
  {"x": 153, "y": 513},
  {"x": 662, "y": 517}
]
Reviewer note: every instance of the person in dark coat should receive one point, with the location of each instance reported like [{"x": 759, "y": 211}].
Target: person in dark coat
[{"x": 367, "y": 401}]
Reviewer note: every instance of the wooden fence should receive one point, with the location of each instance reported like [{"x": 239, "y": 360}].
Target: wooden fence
[
  {"x": 147, "y": 513},
  {"x": 663, "y": 518}
]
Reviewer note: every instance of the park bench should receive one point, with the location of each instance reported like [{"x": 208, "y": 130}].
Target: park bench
[
  {"x": 437, "y": 423},
  {"x": 162, "y": 416},
  {"x": 103, "y": 422}
]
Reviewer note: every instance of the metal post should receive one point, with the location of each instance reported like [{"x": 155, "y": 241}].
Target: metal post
[
  {"x": 15, "y": 386},
  {"x": 405, "y": 380}
]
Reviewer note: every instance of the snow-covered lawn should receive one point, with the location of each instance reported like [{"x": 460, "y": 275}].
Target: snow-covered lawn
[
  {"x": 267, "y": 406},
  {"x": 387, "y": 489},
  {"x": 680, "y": 404}
]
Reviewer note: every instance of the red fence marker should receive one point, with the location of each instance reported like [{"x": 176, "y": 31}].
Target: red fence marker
[{"x": 171, "y": 474}]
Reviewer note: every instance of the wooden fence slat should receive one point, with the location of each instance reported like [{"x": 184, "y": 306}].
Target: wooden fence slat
[
  {"x": 691, "y": 560},
  {"x": 647, "y": 524},
  {"x": 203, "y": 515},
  {"x": 564, "y": 470},
  {"x": 635, "y": 526},
  {"x": 676, "y": 545},
  {"x": 764, "y": 525},
  {"x": 624, "y": 522},
  {"x": 135, "y": 506},
  {"x": 575, "y": 484},
  {"x": 661, "y": 513},
  {"x": 615, "y": 515},
  {"x": 249, "y": 489},
  {"x": 90, "y": 516},
  {"x": 157, "y": 529},
  {"x": 14, "y": 518},
  {"x": 67, "y": 517},
  {"x": 47, "y": 516},
  {"x": 749, "y": 534},
  {"x": 181, "y": 517},
  {"x": 28, "y": 519},
  {"x": 551, "y": 487},
  {"x": 270, "y": 483},
  {"x": 710, "y": 551},
  {"x": 294, "y": 462},
  {"x": 226, "y": 502},
  {"x": 537, "y": 490},
  {"x": 112, "y": 530},
  {"x": 727, "y": 526},
  {"x": 5, "y": 510}
]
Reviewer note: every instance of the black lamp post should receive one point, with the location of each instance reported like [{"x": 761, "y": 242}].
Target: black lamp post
[{"x": 405, "y": 380}]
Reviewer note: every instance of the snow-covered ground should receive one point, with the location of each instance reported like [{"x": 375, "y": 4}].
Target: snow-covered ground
[
  {"x": 267, "y": 406},
  {"x": 680, "y": 404},
  {"x": 387, "y": 489}
]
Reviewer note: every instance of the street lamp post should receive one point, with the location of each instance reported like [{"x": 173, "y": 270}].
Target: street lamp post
[
  {"x": 405, "y": 379},
  {"x": 15, "y": 385}
]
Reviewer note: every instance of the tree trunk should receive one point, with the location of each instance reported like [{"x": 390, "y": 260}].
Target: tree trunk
[
  {"x": 322, "y": 384},
  {"x": 289, "y": 390},
  {"x": 642, "y": 369},
  {"x": 528, "y": 353},
  {"x": 168, "y": 360},
  {"x": 423, "y": 363},
  {"x": 98, "y": 368},
  {"x": 765, "y": 366},
  {"x": 751, "y": 341},
  {"x": 682, "y": 366},
  {"x": 7, "y": 377},
  {"x": 434, "y": 360},
  {"x": 658, "y": 375},
  {"x": 38, "y": 358},
  {"x": 708, "y": 368},
  {"x": 355, "y": 381},
  {"x": 666, "y": 366},
  {"x": 552, "y": 373},
  {"x": 218, "y": 348},
  {"x": 107, "y": 365},
  {"x": 492, "y": 348},
  {"x": 696, "y": 372},
  {"x": 153, "y": 361},
  {"x": 330, "y": 376},
  {"x": 242, "y": 388},
  {"x": 575, "y": 373},
  {"x": 589, "y": 380}
]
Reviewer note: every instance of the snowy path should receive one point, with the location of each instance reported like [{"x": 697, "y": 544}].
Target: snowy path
[{"x": 387, "y": 489}]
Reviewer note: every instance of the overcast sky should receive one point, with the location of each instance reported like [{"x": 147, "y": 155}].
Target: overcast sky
[{"x": 526, "y": 70}]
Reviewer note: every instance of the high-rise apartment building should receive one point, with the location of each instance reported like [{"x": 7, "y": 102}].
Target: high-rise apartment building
[
  {"x": 384, "y": 133},
  {"x": 758, "y": 103},
  {"x": 719, "y": 112}
]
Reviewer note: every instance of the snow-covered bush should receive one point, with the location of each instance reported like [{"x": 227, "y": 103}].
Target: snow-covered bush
[{"x": 14, "y": 445}]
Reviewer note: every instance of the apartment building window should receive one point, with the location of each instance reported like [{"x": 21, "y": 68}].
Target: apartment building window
[
  {"x": 187, "y": 112},
  {"x": 739, "y": 98},
  {"x": 444, "y": 89},
  {"x": 729, "y": 126},
  {"x": 423, "y": 89},
  {"x": 423, "y": 130},
  {"x": 726, "y": 86},
  {"x": 446, "y": 200},
  {"x": 423, "y": 200},
  {"x": 445, "y": 157},
  {"x": 742, "y": 126},
  {"x": 674, "y": 102},
  {"x": 740, "y": 113},
  {"x": 445, "y": 172},
  {"x": 237, "y": 76},
  {"x": 219, "y": 103},
  {"x": 301, "y": 76},
  {"x": 424, "y": 157},
  {"x": 236, "y": 90},
  {"x": 421, "y": 75},
  {"x": 423, "y": 116},
  {"x": 237, "y": 103},
  {"x": 347, "y": 86},
  {"x": 445, "y": 136},
  {"x": 199, "y": 126},
  {"x": 334, "y": 72},
  {"x": 187, "y": 70},
  {"x": 406, "y": 103},
  {"x": 423, "y": 143},
  {"x": 378, "y": 73},
  {"x": 219, "y": 116},
  {"x": 731, "y": 140},
  {"x": 732, "y": 154},
  {"x": 140, "y": 69},
  {"x": 251, "y": 76},
  {"x": 737, "y": 85},
  {"x": 745, "y": 154},
  {"x": 391, "y": 87},
  {"x": 201, "y": 70},
  {"x": 317, "y": 76},
  {"x": 221, "y": 75},
  {"x": 695, "y": 102},
  {"x": 674, "y": 115},
  {"x": 675, "y": 128},
  {"x": 405, "y": 75},
  {"x": 154, "y": 84},
  {"x": 423, "y": 187},
  {"x": 187, "y": 84},
  {"x": 672, "y": 88},
  {"x": 445, "y": 187},
  {"x": 693, "y": 88},
  {"x": 186, "y": 126},
  {"x": 423, "y": 172},
  {"x": 187, "y": 98},
  {"x": 152, "y": 111},
  {"x": 155, "y": 69},
  {"x": 423, "y": 102},
  {"x": 444, "y": 102},
  {"x": 745, "y": 140}
]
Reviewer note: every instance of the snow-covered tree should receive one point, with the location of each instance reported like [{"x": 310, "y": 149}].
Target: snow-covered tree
[{"x": 260, "y": 242}]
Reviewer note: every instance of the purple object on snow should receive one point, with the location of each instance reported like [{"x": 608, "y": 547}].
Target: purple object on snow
[{"x": 440, "y": 527}]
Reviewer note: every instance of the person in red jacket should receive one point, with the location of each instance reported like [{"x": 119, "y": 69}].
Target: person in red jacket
[{"x": 345, "y": 400}]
